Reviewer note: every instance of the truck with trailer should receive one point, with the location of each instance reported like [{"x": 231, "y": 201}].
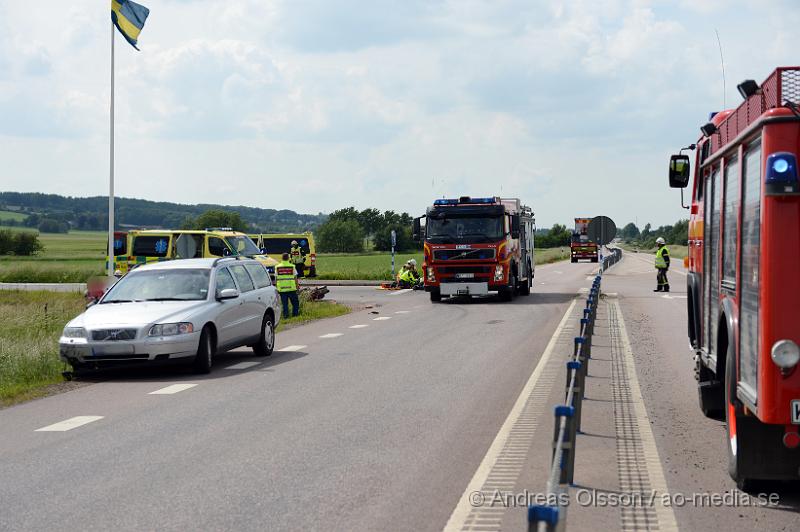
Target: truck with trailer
[
  {"x": 580, "y": 246},
  {"x": 743, "y": 283},
  {"x": 477, "y": 246}
]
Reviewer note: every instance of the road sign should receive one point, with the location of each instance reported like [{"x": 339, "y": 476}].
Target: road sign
[{"x": 602, "y": 230}]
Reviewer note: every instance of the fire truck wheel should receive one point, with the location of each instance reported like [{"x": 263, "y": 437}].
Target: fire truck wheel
[
  {"x": 747, "y": 437},
  {"x": 524, "y": 287},
  {"x": 436, "y": 296}
]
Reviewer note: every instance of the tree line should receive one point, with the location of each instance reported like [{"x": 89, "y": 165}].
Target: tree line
[
  {"x": 349, "y": 230},
  {"x": 62, "y": 213},
  {"x": 677, "y": 234}
]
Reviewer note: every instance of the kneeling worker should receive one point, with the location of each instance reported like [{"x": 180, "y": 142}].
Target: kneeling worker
[
  {"x": 409, "y": 276},
  {"x": 286, "y": 284}
]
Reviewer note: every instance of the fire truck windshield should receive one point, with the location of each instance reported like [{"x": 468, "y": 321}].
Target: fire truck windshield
[{"x": 450, "y": 228}]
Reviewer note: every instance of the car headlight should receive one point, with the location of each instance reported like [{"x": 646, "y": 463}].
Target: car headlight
[
  {"x": 74, "y": 332},
  {"x": 498, "y": 272},
  {"x": 431, "y": 274},
  {"x": 171, "y": 329},
  {"x": 785, "y": 354}
]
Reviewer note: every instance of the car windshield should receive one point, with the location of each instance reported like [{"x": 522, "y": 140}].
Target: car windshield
[
  {"x": 161, "y": 285},
  {"x": 464, "y": 229},
  {"x": 242, "y": 245}
]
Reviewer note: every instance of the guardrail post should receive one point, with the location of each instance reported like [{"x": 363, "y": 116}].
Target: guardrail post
[
  {"x": 577, "y": 390},
  {"x": 550, "y": 516},
  {"x": 567, "y": 465}
]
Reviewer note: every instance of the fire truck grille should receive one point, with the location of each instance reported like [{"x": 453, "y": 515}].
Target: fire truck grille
[
  {"x": 464, "y": 254},
  {"x": 452, "y": 270}
]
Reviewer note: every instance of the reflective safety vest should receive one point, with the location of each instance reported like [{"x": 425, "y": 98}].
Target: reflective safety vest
[
  {"x": 660, "y": 261},
  {"x": 285, "y": 277},
  {"x": 296, "y": 255},
  {"x": 408, "y": 276}
]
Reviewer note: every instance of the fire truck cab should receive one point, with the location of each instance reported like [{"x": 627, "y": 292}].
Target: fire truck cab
[
  {"x": 474, "y": 246},
  {"x": 744, "y": 275}
]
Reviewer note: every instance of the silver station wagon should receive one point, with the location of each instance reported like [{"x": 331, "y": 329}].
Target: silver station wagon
[{"x": 181, "y": 309}]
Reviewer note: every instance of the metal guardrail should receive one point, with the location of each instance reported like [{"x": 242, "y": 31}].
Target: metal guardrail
[{"x": 553, "y": 516}]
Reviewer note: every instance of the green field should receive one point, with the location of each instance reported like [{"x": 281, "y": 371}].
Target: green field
[
  {"x": 12, "y": 215},
  {"x": 31, "y": 325},
  {"x": 78, "y": 255},
  {"x": 675, "y": 251}
]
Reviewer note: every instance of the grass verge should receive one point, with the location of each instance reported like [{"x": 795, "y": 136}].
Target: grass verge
[
  {"x": 30, "y": 325},
  {"x": 314, "y": 310}
]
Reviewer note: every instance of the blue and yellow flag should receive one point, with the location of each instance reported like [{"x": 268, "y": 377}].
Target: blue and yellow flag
[{"x": 129, "y": 19}]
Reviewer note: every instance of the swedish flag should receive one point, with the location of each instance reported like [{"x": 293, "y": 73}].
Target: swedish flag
[{"x": 129, "y": 19}]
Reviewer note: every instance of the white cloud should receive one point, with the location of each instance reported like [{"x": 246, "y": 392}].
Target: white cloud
[{"x": 320, "y": 104}]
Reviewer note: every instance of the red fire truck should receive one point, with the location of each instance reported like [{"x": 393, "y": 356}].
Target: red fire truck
[
  {"x": 580, "y": 246},
  {"x": 474, "y": 246},
  {"x": 744, "y": 275}
]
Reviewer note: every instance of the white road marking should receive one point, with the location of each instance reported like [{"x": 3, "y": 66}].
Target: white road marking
[
  {"x": 382, "y": 318},
  {"x": 290, "y": 348},
  {"x": 331, "y": 335},
  {"x": 667, "y": 296},
  {"x": 173, "y": 388},
  {"x": 398, "y": 292},
  {"x": 658, "y": 483},
  {"x": 359, "y": 326},
  {"x": 461, "y": 512},
  {"x": 243, "y": 365},
  {"x": 69, "y": 424},
  {"x": 403, "y": 312}
]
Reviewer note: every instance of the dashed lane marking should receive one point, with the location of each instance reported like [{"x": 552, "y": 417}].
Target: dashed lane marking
[
  {"x": 402, "y": 312},
  {"x": 403, "y": 291},
  {"x": 243, "y": 365},
  {"x": 69, "y": 424},
  {"x": 382, "y": 318},
  {"x": 291, "y": 348},
  {"x": 359, "y": 326},
  {"x": 500, "y": 468},
  {"x": 173, "y": 388},
  {"x": 331, "y": 335},
  {"x": 667, "y": 296}
]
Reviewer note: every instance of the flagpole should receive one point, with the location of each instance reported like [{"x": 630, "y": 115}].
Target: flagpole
[{"x": 111, "y": 170}]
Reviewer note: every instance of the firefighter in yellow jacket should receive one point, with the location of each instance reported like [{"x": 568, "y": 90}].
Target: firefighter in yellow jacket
[
  {"x": 286, "y": 284},
  {"x": 298, "y": 258},
  {"x": 662, "y": 265}
]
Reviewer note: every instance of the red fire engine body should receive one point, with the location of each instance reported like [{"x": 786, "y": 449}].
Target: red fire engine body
[
  {"x": 474, "y": 246},
  {"x": 580, "y": 245},
  {"x": 744, "y": 275}
]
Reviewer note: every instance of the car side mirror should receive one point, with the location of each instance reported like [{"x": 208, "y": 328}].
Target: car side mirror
[
  {"x": 263, "y": 251},
  {"x": 416, "y": 232},
  {"x": 679, "y": 171},
  {"x": 227, "y": 293}
]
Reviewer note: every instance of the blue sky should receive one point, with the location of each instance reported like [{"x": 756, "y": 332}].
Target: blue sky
[{"x": 573, "y": 106}]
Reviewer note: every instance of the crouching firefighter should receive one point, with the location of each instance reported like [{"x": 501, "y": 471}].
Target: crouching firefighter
[{"x": 662, "y": 265}]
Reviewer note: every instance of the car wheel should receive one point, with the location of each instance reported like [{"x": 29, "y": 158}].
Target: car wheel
[
  {"x": 266, "y": 342},
  {"x": 436, "y": 296},
  {"x": 205, "y": 352}
]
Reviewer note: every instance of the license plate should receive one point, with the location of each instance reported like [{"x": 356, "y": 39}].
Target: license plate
[
  {"x": 465, "y": 276},
  {"x": 112, "y": 350},
  {"x": 462, "y": 292},
  {"x": 796, "y": 411}
]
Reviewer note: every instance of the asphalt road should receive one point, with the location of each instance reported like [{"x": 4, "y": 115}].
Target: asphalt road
[
  {"x": 384, "y": 419},
  {"x": 379, "y": 428}
]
